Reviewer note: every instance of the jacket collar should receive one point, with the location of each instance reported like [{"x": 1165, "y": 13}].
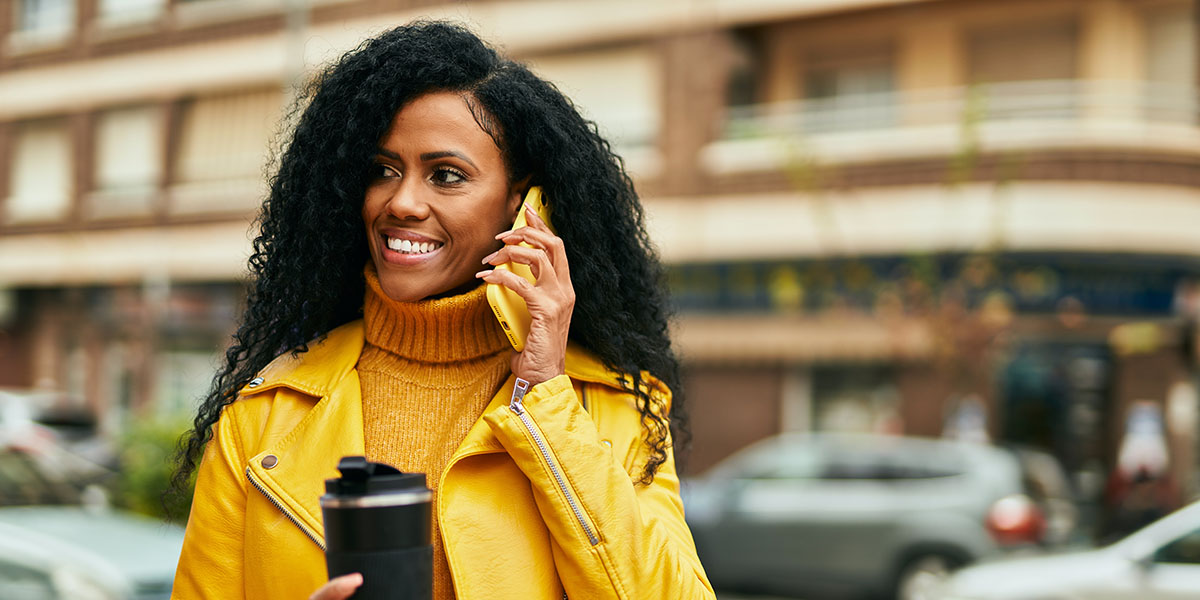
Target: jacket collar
[
  {"x": 328, "y": 360},
  {"x": 318, "y": 370}
]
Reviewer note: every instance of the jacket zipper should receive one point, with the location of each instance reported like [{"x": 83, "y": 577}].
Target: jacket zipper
[
  {"x": 519, "y": 390},
  {"x": 258, "y": 486}
]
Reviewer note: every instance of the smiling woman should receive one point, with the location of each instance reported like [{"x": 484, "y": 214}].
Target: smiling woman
[{"x": 368, "y": 332}]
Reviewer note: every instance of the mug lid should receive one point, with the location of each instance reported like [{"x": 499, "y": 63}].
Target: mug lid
[{"x": 361, "y": 477}]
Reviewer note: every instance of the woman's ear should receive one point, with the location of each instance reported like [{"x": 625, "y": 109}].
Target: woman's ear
[{"x": 516, "y": 195}]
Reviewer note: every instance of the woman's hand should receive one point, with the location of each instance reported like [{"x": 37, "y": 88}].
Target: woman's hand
[
  {"x": 550, "y": 300},
  {"x": 338, "y": 588}
]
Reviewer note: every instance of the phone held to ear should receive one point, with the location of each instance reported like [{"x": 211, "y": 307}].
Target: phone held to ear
[{"x": 510, "y": 309}]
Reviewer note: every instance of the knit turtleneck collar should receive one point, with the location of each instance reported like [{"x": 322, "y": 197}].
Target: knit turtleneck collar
[{"x": 447, "y": 329}]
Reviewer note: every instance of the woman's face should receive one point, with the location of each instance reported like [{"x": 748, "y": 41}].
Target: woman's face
[{"x": 439, "y": 194}]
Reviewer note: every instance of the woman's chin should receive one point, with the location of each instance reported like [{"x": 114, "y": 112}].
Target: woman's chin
[
  {"x": 462, "y": 289},
  {"x": 406, "y": 292}
]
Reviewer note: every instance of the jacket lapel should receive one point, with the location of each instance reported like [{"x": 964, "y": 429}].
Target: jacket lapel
[{"x": 332, "y": 428}]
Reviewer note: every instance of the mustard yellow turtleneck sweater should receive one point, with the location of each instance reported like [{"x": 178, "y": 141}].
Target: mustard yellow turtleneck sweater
[{"x": 427, "y": 370}]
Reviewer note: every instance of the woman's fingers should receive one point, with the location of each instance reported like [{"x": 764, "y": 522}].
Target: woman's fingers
[
  {"x": 512, "y": 281},
  {"x": 338, "y": 588},
  {"x": 536, "y": 258},
  {"x": 535, "y": 233},
  {"x": 546, "y": 242},
  {"x": 533, "y": 218}
]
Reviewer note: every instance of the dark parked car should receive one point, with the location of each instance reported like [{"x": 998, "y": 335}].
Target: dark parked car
[{"x": 831, "y": 516}]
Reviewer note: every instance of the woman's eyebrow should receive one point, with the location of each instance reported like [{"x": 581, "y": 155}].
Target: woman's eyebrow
[
  {"x": 388, "y": 153},
  {"x": 428, "y": 156}
]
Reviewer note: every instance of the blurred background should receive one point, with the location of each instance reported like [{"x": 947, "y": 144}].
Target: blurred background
[{"x": 971, "y": 220}]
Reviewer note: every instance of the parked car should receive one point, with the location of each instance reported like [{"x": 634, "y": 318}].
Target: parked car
[
  {"x": 73, "y": 553},
  {"x": 1158, "y": 562},
  {"x": 835, "y": 515},
  {"x": 44, "y": 457},
  {"x": 39, "y": 567}
]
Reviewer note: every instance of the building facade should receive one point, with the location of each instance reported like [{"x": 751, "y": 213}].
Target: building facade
[{"x": 925, "y": 216}]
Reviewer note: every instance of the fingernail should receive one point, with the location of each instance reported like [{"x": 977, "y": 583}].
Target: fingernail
[
  {"x": 483, "y": 273},
  {"x": 488, "y": 258},
  {"x": 352, "y": 581}
]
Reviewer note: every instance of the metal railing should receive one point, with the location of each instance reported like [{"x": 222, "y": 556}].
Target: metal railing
[{"x": 1115, "y": 102}]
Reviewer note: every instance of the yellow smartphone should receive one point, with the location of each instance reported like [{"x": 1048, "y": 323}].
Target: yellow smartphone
[{"x": 510, "y": 309}]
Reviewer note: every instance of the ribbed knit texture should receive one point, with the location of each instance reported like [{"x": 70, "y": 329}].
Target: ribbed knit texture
[{"x": 427, "y": 371}]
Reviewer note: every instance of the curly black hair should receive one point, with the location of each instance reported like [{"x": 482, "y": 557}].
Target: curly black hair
[{"x": 307, "y": 264}]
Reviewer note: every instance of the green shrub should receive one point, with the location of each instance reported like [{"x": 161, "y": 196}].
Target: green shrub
[{"x": 145, "y": 457}]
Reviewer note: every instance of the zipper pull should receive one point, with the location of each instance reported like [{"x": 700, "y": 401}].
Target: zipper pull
[{"x": 519, "y": 389}]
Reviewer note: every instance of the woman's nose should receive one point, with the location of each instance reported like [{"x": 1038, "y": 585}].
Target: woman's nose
[{"x": 408, "y": 202}]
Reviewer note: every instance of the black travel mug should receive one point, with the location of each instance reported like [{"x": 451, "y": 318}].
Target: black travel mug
[{"x": 377, "y": 523}]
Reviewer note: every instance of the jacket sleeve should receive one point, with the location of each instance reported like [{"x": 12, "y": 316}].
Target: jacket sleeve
[
  {"x": 210, "y": 565},
  {"x": 611, "y": 539}
]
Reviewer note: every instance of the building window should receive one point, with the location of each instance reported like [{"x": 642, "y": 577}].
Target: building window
[
  {"x": 849, "y": 89},
  {"x": 223, "y": 150},
  {"x": 1172, "y": 54},
  {"x": 44, "y": 20},
  {"x": 128, "y": 162},
  {"x": 1026, "y": 71},
  {"x": 628, "y": 114},
  {"x": 124, "y": 12},
  {"x": 42, "y": 172},
  {"x": 746, "y": 58}
]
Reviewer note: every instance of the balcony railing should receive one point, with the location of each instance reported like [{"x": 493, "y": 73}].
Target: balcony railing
[
  {"x": 1010, "y": 101},
  {"x": 1004, "y": 116}
]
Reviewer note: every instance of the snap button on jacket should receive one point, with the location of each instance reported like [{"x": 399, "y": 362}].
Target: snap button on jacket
[{"x": 518, "y": 521}]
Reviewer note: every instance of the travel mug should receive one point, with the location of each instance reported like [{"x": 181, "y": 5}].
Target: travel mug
[{"x": 377, "y": 523}]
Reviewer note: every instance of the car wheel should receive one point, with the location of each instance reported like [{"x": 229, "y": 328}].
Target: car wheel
[{"x": 921, "y": 577}]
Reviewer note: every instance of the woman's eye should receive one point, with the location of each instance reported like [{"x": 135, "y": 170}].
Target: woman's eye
[
  {"x": 380, "y": 171},
  {"x": 447, "y": 176}
]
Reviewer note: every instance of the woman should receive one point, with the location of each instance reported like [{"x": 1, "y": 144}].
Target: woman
[{"x": 411, "y": 159}]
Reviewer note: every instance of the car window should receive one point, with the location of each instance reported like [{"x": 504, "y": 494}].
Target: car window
[
  {"x": 882, "y": 470},
  {"x": 1184, "y": 550},
  {"x": 887, "y": 464},
  {"x": 784, "y": 461},
  {"x": 848, "y": 461},
  {"x": 21, "y": 582}
]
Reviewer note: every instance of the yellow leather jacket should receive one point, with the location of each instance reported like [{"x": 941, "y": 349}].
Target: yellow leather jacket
[{"x": 509, "y": 528}]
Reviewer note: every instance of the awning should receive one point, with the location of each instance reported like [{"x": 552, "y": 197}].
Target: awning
[{"x": 784, "y": 338}]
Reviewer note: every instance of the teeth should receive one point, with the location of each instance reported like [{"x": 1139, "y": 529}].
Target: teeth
[{"x": 410, "y": 247}]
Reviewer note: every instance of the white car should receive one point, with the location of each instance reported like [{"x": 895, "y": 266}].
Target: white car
[{"x": 1159, "y": 562}]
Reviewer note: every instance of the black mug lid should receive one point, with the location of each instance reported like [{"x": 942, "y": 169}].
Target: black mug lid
[{"x": 361, "y": 477}]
